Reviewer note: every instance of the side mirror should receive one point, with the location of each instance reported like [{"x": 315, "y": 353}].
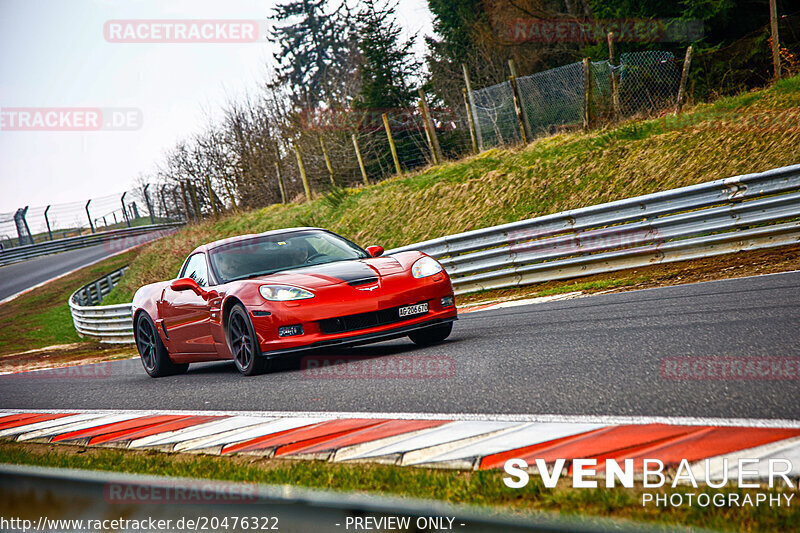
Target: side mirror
[
  {"x": 186, "y": 284},
  {"x": 375, "y": 251}
]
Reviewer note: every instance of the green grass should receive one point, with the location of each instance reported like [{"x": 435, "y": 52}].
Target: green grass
[
  {"x": 483, "y": 488},
  {"x": 41, "y": 317},
  {"x": 549, "y": 175}
]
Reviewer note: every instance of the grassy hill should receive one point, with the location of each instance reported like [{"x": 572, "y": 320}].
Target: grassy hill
[{"x": 748, "y": 133}]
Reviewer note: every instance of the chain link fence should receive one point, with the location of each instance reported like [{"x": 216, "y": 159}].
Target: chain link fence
[
  {"x": 554, "y": 100},
  {"x": 31, "y": 225}
]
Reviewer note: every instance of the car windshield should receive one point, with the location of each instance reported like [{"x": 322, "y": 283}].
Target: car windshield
[{"x": 272, "y": 253}]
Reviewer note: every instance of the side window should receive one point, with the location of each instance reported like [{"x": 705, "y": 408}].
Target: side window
[{"x": 197, "y": 270}]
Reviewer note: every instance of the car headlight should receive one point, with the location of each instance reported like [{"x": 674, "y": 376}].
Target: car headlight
[
  {"x": 283, "y": 293},
  {"x": 424, "y": 267}
]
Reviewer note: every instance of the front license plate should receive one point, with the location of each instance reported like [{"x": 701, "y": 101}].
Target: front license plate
[{"x": 410, "y": 310}]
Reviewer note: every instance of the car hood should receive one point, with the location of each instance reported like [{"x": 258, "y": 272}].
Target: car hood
[{"x": 314, "y": 276}]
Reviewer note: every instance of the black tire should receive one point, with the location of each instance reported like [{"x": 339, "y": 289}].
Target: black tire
[
  {"x": 154, "y": 355},
  {"x": 432, "y": 335},
  {"x": 243, "y": 344}
]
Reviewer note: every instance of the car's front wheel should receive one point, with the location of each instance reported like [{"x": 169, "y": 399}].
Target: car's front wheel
[
  {"x": 432, "y": 335},
  {"x": 155, "y": 357},
  {"x": 244, "y": 343}
]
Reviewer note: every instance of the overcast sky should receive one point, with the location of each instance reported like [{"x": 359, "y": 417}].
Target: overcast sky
[{"x": 53, "y": 53}]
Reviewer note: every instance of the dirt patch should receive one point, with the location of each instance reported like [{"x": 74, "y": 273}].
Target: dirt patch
[
  {"x": 62, "y": 355},
  {"x": 729, "y": 266}
]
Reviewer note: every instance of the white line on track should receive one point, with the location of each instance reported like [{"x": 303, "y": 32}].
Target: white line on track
[{"x": 551, "y": 418}]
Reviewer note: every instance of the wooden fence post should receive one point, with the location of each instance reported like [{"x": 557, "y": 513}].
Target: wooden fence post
[
  {"x": 230, "y": 196},
  {"x": 776, "y": 49},
  {"x": 471, "y": 122},
  {"x": 360, "y": 160},
  {"x": 613, "y": 76},
  {"x": 687, "y": 62},
  {"x": 587, "y": 96},
  {"x": 211, "y": 196},
  {"x": 280, "y": 182},
  {"x": 327, "y": 161},
  {"x": 393, "y": 148},
  {"x": 518, "y": 109},
  {"x": 475, "y": 131},
  {"x": 430, "y": 130},
  {"x": 195, "y": 202},
  {"x": 303, "y": 176}
]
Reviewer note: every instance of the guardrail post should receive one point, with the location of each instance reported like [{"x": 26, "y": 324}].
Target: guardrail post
[
  {"x": 89, "y": 216},
  {"x": 47, "y": 221},
  {"x": 124, "y": 209},
  {"x": 149, "y": 205}
]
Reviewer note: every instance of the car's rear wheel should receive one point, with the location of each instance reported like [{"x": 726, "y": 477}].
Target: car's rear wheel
[
  {"x": 244, "y": 343},
  {"x": 432, "y": 335},
  {"x": 155, "y": 357}
]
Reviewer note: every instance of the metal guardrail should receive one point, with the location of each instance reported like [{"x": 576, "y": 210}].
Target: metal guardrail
[
  {"x": 58, "y": 494},
  {"x": 111, "y": 324},
  {"x": 718, "y": 217},
  {"x": 135, "y": 234}
]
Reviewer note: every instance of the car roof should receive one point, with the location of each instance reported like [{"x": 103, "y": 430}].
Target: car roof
[{"x": 211, "y": 245}]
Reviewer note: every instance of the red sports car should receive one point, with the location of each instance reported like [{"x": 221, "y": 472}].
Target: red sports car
[{"x": 255, "y": 297}]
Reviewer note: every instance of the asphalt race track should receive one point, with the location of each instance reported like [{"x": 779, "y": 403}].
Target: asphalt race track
[
  {"x": 17, "y": 277},
  {"x": 600, "y": 355}
]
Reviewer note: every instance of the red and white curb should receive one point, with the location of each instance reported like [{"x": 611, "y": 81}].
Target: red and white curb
[{"x": 438, "y": 441}]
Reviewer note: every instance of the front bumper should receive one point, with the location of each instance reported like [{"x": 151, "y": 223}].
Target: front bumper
[
  {"x": 344, "y": 301},
  {"x": 355, "y": 338}
]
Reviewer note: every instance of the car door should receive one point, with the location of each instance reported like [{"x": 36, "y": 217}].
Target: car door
[{"x": 187, "y": 315}]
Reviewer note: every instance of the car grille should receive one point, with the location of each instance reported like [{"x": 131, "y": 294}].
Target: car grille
[{"x": 362, "y": 321}]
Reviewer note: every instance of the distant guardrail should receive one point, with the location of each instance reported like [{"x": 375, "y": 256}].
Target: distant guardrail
[
  {"x": 723, "y": 216},
  {"x": 23, "y": 253},
  {"x": 717, "y": 217},
  {"x": 111, "y": 324}
]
